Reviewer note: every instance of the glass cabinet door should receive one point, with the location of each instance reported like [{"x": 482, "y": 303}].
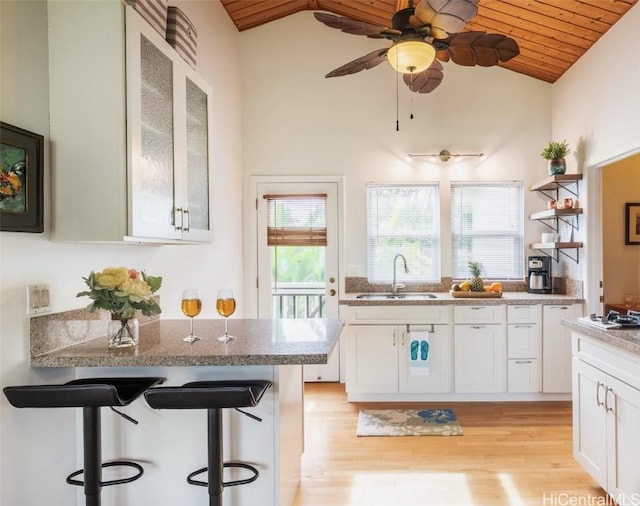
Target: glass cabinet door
[
  {"x": 197, "y": 157},
  {"x": 157, "y": 172}
]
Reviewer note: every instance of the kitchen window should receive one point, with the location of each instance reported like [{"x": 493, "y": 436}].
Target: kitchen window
[
  {"x": 487, "y": 226},
  {"x": 403, "y": 219}
]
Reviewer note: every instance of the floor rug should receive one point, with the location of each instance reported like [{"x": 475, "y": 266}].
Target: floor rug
[{"x": 408, "y": 422}]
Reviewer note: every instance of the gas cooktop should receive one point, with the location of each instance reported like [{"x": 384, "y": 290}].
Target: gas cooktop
[{"x": 616, "y": 320}]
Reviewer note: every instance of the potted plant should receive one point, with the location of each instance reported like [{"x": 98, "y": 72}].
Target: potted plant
[{"x": 555, "y": 152}]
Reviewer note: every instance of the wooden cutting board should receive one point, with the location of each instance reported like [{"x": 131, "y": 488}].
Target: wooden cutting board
[{"x": 475, "y": 295}]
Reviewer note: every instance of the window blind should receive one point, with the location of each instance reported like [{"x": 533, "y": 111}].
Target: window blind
[
  {"x": 296, "y": 220},
  {"x": 487, "y": 226},
  {"x": 403, "y": 219}
]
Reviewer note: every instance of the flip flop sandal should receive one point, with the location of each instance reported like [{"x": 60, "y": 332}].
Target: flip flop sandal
[
  {"x": 414, "y": 350},
  {"x": 424, "y": 350}
]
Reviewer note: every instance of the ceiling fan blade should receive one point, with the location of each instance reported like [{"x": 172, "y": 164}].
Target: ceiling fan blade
[
  {"x": 355, "y": 27},
  {"x": 427, "y": 80},
  {"x": 365, "y": 62},
  {"x": 479, "y": 48},
  {"x": 446, "y": 16}
]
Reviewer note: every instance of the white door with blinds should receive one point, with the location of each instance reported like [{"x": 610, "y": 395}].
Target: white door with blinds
[{"x": 297, "y": 236}]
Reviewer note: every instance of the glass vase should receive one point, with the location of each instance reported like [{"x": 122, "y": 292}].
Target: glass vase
[{"x": 123, "y": 333}]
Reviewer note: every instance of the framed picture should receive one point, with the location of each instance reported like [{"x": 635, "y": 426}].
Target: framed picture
[
  {"x": 21, "y": 180},
  {"x": 632, "y": 223}
]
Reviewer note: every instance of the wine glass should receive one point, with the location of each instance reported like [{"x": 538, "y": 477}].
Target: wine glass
[
  {"x": 191, "y": 306},
  {"x": 226, "y": 305},
  {"x": 628, "y": 300}
]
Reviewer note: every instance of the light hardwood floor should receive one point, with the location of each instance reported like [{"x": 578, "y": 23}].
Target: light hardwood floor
[{"x": 512, "y": 453}]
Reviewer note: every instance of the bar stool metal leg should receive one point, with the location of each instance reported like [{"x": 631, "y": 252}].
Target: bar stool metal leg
[
  {"x": 215, "y": 457},
  {"x": 91, "y": 427}
]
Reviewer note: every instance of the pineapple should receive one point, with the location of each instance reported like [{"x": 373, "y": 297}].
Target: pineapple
[{"x": 476, "y": 283}]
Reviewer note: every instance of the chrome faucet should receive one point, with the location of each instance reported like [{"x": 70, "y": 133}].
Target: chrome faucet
[{"x": 396, "y": 286}]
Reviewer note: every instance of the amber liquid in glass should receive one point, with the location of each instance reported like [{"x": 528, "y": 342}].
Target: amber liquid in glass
[
  {"x": 226, "y": 307},
  {"x": 191, "y": 307}
]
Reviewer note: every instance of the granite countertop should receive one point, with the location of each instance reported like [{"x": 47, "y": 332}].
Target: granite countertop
[
  {"x": 445, "y": 298},
  {"x": 258, "y": 342},
  {"x": 628, "y": 340}
]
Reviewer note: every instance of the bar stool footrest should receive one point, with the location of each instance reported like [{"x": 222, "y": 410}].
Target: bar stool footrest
[
  {"x": 116, "y": 463},
  {"x": 233, "y": 483}
]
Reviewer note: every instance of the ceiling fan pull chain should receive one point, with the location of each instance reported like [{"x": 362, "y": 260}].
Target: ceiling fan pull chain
[
  {"x": 397, "y": 113},
  {"x": 411, "y": 103}
]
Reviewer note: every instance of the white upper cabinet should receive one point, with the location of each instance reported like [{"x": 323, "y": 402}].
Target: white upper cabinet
[{"x": 130, "y": 130}]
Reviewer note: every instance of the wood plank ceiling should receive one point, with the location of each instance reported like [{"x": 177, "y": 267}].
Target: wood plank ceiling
[{"x": 552, "y": 34}]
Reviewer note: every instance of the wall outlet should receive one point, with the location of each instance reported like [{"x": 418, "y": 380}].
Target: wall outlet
[{"x": 38, "y": 299}]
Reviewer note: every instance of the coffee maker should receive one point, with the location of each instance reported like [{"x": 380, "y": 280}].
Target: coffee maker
[{"x": 539, "y": 274}]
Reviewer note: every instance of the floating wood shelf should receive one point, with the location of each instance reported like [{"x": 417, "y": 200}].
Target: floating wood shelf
[
  {"x": 555, "y": 213},
  {"x": 557, "y": 249},
  {"x": 555, "y": 245},
  {"x": 555, "y": 182}
]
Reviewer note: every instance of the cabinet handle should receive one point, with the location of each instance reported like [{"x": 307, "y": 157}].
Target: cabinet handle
[
  {"x": 403, "y": 339},
  {"x": 394, "y": 339},
  {"x": 478, "y": 326},
  {"x": 598, "y": 401},
  {"x": 185, "y": 212},
  {"x": 475, "y": 308},
  {"x": 176, "y": 213},
  {"x": 606, "y": 399},
  {"x": 559, "y": 307},
  {"x": 522, "y": 326},
  {"x": 523, "y": 362}
]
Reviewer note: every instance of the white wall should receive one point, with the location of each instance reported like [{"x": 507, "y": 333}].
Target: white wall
[
  {"x": 297, "y": 122},
  {"x": 596, "y": 107},
  {"x": 40, "y": 444}
]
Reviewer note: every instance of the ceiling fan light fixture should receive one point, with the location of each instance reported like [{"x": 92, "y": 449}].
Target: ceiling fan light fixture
[{"x": 411, "y": 56}]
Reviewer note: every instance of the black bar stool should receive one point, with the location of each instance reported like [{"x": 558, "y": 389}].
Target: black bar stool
[
  {"x": 90, "y": 394},
  {"x": 213, "y": 396}
]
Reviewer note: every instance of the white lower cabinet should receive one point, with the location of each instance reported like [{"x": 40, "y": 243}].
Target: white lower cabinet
[
  {"x": 480, "y": 358},
  {"x": 556, "y": 347},
  {"x": 378, "y": 361},
  {"x": 476, "y": 349},
  {"x": 480, "y": 349},
  {"x": 523, "y": 349},
  {"x": 606, "y": 417}
]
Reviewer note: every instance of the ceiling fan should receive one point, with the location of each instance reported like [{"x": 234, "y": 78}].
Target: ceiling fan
[{"x": 423, "y": 35}]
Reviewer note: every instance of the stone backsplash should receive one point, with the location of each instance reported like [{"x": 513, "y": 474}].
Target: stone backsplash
[
  {"x": 565, "y": 286},
  {"x": 52, "y": 332}
]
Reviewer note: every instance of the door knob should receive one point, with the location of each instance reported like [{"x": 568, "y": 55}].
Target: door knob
[
  {"x": 332, "y": 280},
  {"x": 332, "y": 292}
]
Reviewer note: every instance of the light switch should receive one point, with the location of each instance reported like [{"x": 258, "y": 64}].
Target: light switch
[{"x": 38, "y": 299}]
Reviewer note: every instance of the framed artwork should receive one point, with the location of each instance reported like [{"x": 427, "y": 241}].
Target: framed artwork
[
  {"x": 632, "y": 223},
  {"x": 21, "y": 180}
]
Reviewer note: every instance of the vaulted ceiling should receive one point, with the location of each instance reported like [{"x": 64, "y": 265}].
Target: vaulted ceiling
[{"x": 551, "y": 34}]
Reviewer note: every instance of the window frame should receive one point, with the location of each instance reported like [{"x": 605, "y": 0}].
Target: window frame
[
  {"x": 418, "y": 253},
  {"x": 515, "y": 272}
]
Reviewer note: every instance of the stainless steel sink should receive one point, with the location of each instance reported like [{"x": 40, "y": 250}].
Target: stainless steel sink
[{"x": 400, "y": 295}]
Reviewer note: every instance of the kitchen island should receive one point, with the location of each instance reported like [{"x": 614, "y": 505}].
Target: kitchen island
[{"x": 171, "y": 444}]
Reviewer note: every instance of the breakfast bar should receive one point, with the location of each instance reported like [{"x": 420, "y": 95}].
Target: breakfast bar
[{"x": 170, "y": 444}]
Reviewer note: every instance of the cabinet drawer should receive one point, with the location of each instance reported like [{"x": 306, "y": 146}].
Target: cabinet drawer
[
  {"x": 523, "y": 340},
  {"x": 523, "y": 375},
  {"x": 399, "y": 314},
  {"x": 524, "y": 313},
  {"x": 479, "y": 314}
]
